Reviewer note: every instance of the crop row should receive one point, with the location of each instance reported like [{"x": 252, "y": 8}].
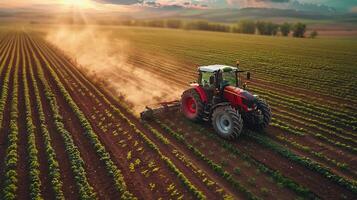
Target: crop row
[
  {"x": 288, "y": 129},
  {"x": 214, "y": 166},
  {"x": 283, "y": 98},
  {"x": 77, "y": 164},
  {"x": 312, "y": 112},
  {"x": 164, "y": 141},
  {"x": 100, "y": 149},
  {"x": 167, "y": 142},
  {"x": 187, "y": 73},
  {"x": 308, "y": 163},
  {"x": 5, "y": 82},
  {"x": 276, "y": 175},
  {"x": 11, "y": 158},
  {"x": 261, "y": 72},
  {"x": 152, "y": 145},
  {"x": 316, "y": 124},
  {"x": 105, "y": 121},
  {"x": 300, "y": 131},
  {"x": 307, "y": 149},
  {"x": 338, "y": 109},
  {"x": 34, "y": 171},
  {"x": 323, "y": 134},
  {"x": 54, "y": 171}
]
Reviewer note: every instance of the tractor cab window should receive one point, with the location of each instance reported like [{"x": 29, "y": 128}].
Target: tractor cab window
[
  {"x": 207, "y": 79},
  {"x": 229, "y": 78}
]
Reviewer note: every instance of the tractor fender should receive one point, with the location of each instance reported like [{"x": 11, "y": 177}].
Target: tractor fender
[
  {"x": 201, "y": 92},
  {"x": 218, "y": 105}
]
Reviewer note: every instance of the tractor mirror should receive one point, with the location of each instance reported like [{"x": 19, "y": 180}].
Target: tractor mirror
[{"x": 248, "y": 75}]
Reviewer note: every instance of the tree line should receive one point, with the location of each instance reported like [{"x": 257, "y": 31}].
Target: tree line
[{"x": 243, "y": 26}]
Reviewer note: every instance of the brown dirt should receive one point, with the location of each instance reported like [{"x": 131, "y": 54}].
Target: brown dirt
[
  {"x": 106, "y": 124},
  {"x": 86, "y": 106},
  {"x": 303, "y": 169},
  {"x": 46, "y": 188},
  {"x": 214, "y": 151},
  {"x": 328, "y": 151},
  {"x": 97, "y": 175},
  {"x": 4, "y": 131},
  {"x": 23, "y": 165},
  {"x": 310, "y": 179},
  {"x": 69, "y": 187}
]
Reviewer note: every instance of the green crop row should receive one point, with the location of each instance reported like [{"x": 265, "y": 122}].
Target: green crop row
[
  {"x": 77, "y": 164},
  {"x": 11, "y": 158},
  {"x": 285, "y": 127},
  {"x": 277, "y": 99},
  {"x": 307, "y": 149},
  {"x": 336, "y": 111},
  {"x": 276, "y": 175},
  {"x": 316, "y": 124},
  {"x": 322, "y": 131},
  {"x": 99, "y": 147},
  {"x": 35, "y": 183},
  {"x": 214, "y": 166},
  {"x": 5, "y": 83},
  {"x": 164, "y": 140},
  {"x": 53, "y": 165},
  {"x": 308, "y": 163},
  {"x": 169, "y": 163},
  {"x": 330, "y": 106}
]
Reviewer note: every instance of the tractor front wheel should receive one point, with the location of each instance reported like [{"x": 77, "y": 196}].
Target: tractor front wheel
[
  {"x": 192, "y": 105},
  {"x": 260, "y": 118},
  {"x": 227, "y": 122}
]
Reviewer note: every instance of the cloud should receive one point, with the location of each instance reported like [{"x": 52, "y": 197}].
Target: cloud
[
  {"x": 257, "y": 3},
  {"x": 120, "y": 2}
]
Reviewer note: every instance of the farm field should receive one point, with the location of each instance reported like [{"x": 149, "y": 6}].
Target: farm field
[{"x": 64, "y": 136}]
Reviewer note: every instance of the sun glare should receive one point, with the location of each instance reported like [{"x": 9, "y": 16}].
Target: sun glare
[{"x": 78, "y": 3}]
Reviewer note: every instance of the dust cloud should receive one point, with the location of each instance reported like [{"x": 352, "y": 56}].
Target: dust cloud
[{"x": 106, "y": 59}]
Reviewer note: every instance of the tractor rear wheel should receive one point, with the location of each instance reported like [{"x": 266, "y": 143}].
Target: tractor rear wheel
[
  {"x": 227, "y": 122},
  {"x": 260, "y": 118},
  {"x": 192, "y": 105}
]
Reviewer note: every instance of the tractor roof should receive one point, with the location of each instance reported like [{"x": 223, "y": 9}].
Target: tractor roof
[{"x": 214, "y": 68}]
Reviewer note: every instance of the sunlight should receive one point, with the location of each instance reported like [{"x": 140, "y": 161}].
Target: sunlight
[{"x": 78, "y": 3}]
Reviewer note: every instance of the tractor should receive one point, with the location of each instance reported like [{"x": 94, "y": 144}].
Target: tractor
[{"x": 219, "y": 96}]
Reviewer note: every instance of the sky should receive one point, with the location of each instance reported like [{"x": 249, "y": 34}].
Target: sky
[{"x": 338, "y": 5}]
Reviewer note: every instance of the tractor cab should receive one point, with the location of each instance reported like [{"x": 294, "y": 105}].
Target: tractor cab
[{"x": 214, "y": 78}]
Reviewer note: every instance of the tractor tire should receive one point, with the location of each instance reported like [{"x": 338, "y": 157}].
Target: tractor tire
[
  {"x": 227, "y": 122},
  {"x": 260, "y": 118},
  {"x": 192, "y": 105}
]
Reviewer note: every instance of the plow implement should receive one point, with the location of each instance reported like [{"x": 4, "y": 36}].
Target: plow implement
[{"x": 163, "y": 107}]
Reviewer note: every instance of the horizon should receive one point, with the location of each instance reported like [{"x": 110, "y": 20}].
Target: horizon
[{"x": 349, "y": 6}]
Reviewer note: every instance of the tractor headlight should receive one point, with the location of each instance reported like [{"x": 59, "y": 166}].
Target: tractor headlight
[{"x": 250, "y": 104}]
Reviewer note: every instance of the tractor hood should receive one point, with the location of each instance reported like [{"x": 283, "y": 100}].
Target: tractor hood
[{"x": 240, "y": 97}]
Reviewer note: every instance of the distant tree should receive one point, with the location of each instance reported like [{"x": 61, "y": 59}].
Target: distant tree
[
  {"x": 261, "y": 27},
  {"x": 197, "y": 25},
  {"x": 272, "y": 28},
  {"x": 155, "y": 23},
  {"x": 247, "y": 26},
  {"x": 299, "y": 30},
  {"x": 313, "y": 34},
  {"x": 285, "y": 29},
  {"x": 173, "y": 23},
  {"x": 236, "y": 29},
  {"x": 267, "y": 28}
]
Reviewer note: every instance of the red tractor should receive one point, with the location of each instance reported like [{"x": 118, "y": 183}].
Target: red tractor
[{"x": 219, "y": 96}]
